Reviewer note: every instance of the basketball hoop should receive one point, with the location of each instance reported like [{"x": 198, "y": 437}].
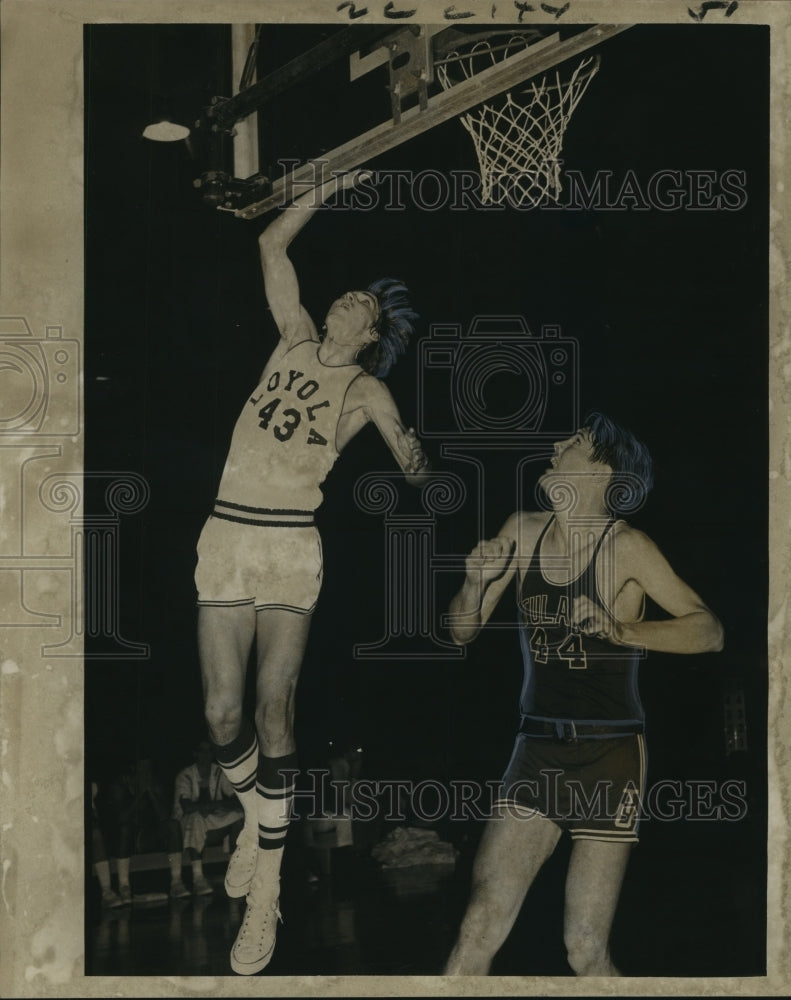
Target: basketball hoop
[{"x": 518, "y": 136}]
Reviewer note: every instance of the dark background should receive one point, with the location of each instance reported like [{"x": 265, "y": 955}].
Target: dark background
[{"x": 670, "y": 313}]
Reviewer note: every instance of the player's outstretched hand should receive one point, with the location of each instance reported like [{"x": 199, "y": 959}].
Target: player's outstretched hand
[
  {"x": 490, "y": 559},
  {"x": 411, "y": 451}
]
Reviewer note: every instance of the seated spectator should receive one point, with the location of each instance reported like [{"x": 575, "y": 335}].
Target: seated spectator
[
  {"x": 204, "y": 802},
  {"x": 98, "y": 855},
  {"x": 332, "y": 826},
  {"x": 138, "y": 811},
  {"x": 345, "y": 760}
]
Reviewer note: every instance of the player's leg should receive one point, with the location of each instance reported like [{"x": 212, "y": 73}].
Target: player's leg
[
  {"x": 514, "y": 846},
  {"x": 593, "y": 886},
  {"x": 281, "y": 638},
  {"x": 225, "y": 637}
]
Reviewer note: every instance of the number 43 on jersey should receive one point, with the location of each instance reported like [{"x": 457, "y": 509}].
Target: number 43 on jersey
[{"x": 289, "y": 418}]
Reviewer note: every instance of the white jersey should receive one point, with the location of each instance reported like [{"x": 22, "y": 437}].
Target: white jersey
[{"x": 284, "y": 442}]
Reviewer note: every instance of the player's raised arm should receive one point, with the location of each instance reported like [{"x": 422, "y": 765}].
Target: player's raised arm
[
  {"x": 370, "y": 400},
  {"x": 693, "y": 628},
  {"x": 489, "y": 568},
  {"x": 280, "y": 278}
]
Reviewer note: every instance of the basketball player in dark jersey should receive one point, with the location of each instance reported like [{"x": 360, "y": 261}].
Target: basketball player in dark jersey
[
  {"x": 259, "y": 555},
  {"x": 582, "y": 578}
]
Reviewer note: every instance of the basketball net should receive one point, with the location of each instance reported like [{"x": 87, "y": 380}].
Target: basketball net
[{"x": 518, "y": 135}]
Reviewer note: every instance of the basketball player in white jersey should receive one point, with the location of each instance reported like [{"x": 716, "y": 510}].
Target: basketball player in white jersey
[{"x": 259, "y": 555}]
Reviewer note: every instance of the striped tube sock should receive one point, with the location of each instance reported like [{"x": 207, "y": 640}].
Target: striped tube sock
[
  {"x": 276, "y": 779},
  {"x": 239, "y": 761}
]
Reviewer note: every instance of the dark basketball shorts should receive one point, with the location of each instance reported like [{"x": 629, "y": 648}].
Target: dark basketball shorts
[
  {"x": 267, "y": 565},
  {"x": 590, "y": 787}
]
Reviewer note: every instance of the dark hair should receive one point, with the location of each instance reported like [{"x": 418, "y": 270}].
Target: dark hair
[
  {"x": 395, "y": 326},
  {"x": 628, "y": 458}
]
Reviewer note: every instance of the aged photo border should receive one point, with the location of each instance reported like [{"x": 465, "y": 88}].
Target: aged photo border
[{"x": 41, "y": 696}]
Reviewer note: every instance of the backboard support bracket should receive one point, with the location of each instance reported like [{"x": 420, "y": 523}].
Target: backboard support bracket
[
  {"x": 430, "y": 111},
  {"x": 411, "y": 69}
]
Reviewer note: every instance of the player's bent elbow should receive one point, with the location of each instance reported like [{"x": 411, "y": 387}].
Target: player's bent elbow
[
  {"x": 460, "y": 633},
  {"x": 271, "y": 246},
  {"x": 717, "y": 636},
  {"x": 710, "y": 636},
  {"x": 460, "y": 638}
]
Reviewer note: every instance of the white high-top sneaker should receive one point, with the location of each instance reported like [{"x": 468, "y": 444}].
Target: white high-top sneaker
[
  {"x": 255, "y": 941},
  {"x": 241, "y": 865}
]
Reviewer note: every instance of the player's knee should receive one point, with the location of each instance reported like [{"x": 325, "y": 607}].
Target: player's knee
[{"x": 224, "y": 719}]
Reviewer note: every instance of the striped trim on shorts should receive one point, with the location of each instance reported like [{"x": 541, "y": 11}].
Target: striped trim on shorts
[
  {"x": 592, "y": 788},
  {"x": 274, "y": 517},
  {"x": 249, "y": 556}
]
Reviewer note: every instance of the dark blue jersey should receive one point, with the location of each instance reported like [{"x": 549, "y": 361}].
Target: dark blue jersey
[{"x": 570, "y": 675}]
